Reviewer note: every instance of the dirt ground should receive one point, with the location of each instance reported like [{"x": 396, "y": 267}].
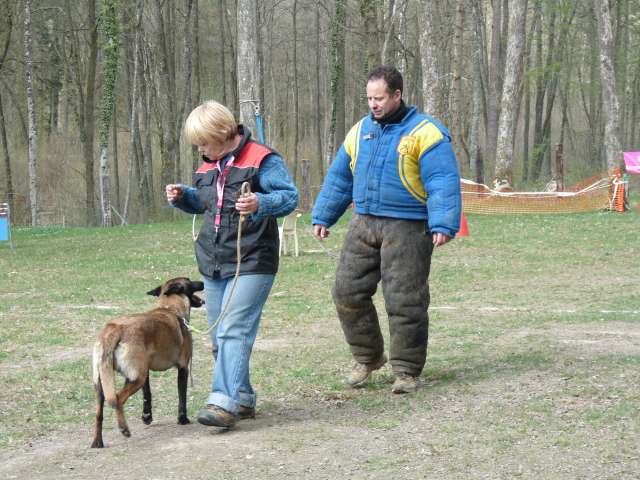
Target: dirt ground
[{"x": 439, "y": 436}]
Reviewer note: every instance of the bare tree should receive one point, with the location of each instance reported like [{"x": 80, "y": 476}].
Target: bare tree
[
  {"x": 495, "y": 76},
  {"x": 110, "y": 55},
  {"x": 336, "y": 69},
  {"x": 318, "y": 93},
  {"x": 247, "y": 62},
  {"x": 167, "y": 95},
  {"x": 133, "y": 122},
  {"x": 33, "y": 132},
  {"x": 476, "y": 163},
  {"x": 7, "y": 17},
  {"x": 455, "y": 100},
  {"x": 84, "y": 66},
  {"x": 369, "y": 13},
  {"x": 503, "y": 173},
  {"x": 296, "y": 106},
  {"x": 429, "y": 59},
  {"x": 611, "y": 107},
  {"x": 386, "y": 51}
]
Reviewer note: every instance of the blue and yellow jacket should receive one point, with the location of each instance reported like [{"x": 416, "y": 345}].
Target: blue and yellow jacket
[{"x": 405, "y": 170}]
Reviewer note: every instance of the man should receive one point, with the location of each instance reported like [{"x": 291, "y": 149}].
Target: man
[{"x": 398, "y": 168}]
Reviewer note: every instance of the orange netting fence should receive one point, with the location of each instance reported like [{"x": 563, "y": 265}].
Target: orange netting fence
[{"x": 601, "y": 192}]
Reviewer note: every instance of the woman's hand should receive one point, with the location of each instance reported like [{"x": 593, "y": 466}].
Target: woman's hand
[
  {"x": 173, "y": 192},
  {"x": 247, "y": 203}
]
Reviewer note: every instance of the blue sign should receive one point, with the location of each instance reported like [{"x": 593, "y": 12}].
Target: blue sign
[{"x": 4, "y": 229}]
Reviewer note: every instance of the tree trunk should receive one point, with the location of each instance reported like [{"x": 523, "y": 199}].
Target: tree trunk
[
  {"x": 187, "y": 50},
  {"x": 222, "y": 54},
  {"x": 7, "y": 158},
  {"x": 17, "y": 105},
  {"x": 33, "y": 133},
  {"x": 456, "y": 83},
  {"x": 3, "y": 130},
  {"x": 475, "y": 152},
  {"x": 110, "y": 56},
  {"x": 336, "y": 68},
  {"x": 85, "y": 80},
  {"x": 116, "y": 166},
  {"x": 145, "y": 120},
  {"x": 611, "y": 108},
  {"x": 392, "y": 27},
  {"x": 233, "y": 94},
  {"x": 318, "y": 94},
  {"x": 634, "y": 110},
  {"x": 197, "y": 95},
  {"x": 88, "y": 114},
  {"x": 296, "y": 120},
  {"x": 167, "y": 100},
  {"x": 247, "y": 62},
  {"x": 400, "y": 7},
  {"x": 133, "y": 122},
  {"x": 526, "y": 85},
  {"x": 369, "y": 14},
  {"x": 431, "y": 89},
  {"x": 545, "y": 89},
  {"x": 496, "y": 71},
  {"x": 503, "y": 173},
  {"x": 622, "y": 63}
]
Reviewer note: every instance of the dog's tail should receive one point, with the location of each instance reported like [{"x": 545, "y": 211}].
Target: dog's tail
[{"x": 103, "y": 368}]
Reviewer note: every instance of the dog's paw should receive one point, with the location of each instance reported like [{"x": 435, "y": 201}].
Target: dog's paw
[
  {"x": 183, "y": 420},
  {"x": 147, "y": 418},
  {"x": 97, "y": 444},
  {"x": 125, "y": 431}
]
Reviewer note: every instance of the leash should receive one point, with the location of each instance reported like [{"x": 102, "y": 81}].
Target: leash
[
  {"x": 244, "y": 190},
  {"x": 326, "y": 250}
]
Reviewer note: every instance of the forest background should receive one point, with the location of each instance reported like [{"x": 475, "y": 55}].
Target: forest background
[{"x": 93, "y": 93}]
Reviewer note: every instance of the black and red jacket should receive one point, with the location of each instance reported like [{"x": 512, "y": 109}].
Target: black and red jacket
[{"x": 216, "y": 244}]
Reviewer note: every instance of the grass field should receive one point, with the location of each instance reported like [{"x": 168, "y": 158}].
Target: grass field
[{"x": 533, "y": 368}]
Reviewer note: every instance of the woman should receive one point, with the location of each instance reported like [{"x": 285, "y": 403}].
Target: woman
[{"x": 231, "y": 158}]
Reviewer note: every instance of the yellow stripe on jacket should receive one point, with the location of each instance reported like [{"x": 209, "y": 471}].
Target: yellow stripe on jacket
[
  {"x": 352, "y": 144},
  {"x": 410, "y": 149}
]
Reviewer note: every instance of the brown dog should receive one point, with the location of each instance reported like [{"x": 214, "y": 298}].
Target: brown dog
[{"x": 134, "y": 344}]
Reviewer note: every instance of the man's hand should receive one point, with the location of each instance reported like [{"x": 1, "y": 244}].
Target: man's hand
[
  {"x": 173, "y": 192},
  {"x": 440, "y": 239},
  {"x": 320, "y": 232}
]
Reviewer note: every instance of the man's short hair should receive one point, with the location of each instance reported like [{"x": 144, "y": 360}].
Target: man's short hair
[
  {"x": 391, "y": 76},
  {"x": 210, "y": 123}
]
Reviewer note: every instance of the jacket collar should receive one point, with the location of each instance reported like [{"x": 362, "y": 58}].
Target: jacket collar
[{"x": 397, "y": 116}]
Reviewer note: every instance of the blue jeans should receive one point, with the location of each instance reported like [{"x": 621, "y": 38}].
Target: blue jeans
[{"x": 234, "y": 336}]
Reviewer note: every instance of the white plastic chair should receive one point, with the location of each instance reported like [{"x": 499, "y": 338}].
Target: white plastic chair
[{"x": 287, "y": 231}]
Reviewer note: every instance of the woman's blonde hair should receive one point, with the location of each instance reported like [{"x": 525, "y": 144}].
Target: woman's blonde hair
[{"x": 210, "y": 122}]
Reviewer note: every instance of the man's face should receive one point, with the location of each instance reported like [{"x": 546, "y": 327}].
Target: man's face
[{"x": 380, "y": 101}]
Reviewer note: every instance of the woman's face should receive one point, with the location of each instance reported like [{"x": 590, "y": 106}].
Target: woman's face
[{"x": 214, "y": 151}]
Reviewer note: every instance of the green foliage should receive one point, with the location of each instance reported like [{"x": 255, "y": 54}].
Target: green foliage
[{"x": 110, "y": 47}]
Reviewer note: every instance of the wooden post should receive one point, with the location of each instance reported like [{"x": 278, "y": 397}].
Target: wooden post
[
  {"x": 305, "y": 204},
  {"x": 559, "y": 169}
]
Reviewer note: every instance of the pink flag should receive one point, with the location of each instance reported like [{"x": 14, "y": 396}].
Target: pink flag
[{"x": 632, "y": 162}]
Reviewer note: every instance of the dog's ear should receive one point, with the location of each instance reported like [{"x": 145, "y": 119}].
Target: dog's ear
[
  {"x": 195, "y": 301},
  {"x": 197, "y": 286},
  {"x": 155, "y": 292}
]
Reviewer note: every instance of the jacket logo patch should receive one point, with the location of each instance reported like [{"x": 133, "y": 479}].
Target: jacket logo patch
[{"x": 407, "y": 145}]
